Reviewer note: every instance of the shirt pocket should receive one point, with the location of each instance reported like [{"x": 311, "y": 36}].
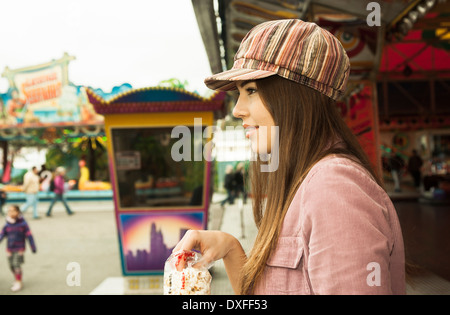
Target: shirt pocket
[{"x": 284, "y": 270}]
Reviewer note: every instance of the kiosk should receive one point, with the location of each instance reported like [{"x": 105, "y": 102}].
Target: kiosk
[{"x": 159, "y": 159}]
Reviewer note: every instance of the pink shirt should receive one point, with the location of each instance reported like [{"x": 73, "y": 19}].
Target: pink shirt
[
  {"x": 59, "y": 185},
  {"x": 341, "y": 235}
]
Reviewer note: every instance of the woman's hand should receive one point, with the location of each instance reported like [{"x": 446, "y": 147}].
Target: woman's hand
[{"x": 215, "y": 245}]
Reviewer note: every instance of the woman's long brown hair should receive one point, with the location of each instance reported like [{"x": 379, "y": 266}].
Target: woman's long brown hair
[{"x": 310, "y": 128}]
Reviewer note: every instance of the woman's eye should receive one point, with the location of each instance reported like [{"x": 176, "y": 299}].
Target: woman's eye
[{"x": 250, "y": 91}]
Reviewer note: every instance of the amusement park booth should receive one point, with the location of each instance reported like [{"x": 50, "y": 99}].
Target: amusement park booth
[{"x": 159, "y": 159}]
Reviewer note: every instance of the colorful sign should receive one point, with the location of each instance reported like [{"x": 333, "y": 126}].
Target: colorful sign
[
  {"x": 39, "y": 86},
  {"x": 42, "y": 95}
]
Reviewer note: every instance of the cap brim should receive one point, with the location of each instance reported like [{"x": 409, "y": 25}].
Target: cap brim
[{"x": 226, "y": 81}]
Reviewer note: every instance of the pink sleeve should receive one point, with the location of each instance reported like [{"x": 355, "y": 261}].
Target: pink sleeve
[{"x": 347, "y": 230}]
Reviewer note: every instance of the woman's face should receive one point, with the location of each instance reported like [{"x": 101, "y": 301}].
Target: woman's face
[{"x": 256, "y": 119}]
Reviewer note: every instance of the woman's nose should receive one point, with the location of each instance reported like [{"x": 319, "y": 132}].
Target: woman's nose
[{"x": 239, "y": 110}]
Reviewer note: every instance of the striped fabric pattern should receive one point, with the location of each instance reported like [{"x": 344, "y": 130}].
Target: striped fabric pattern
[{"x": 293, "y": 49}]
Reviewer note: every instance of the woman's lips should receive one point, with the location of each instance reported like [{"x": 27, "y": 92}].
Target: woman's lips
[{"x": 249, "y": 130}]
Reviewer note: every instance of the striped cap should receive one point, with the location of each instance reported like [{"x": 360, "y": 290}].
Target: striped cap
[{"x": 293, "y": 49}]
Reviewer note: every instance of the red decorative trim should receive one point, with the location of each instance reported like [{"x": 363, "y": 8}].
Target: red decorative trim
[{"x": 149, "y": 107}]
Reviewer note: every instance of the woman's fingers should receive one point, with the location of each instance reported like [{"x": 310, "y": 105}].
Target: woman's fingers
[
  {"x": 189, "y": 241},
  {"x": 181, "y": 258},
  {"x": 213, "y": 245}
]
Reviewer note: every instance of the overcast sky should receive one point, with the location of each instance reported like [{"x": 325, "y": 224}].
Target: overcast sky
[{"x": 140, "y": 42}]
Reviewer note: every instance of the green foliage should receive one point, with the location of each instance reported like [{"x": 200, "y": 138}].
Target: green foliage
[
  {"x": 68, "y": 155},
  {"x": 18, "y": 179},
  {"x": 174, "y": 83}
]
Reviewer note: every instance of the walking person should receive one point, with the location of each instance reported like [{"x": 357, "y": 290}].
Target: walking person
[
  {"x": 229, "y": 185},
  {"x": 3, "y": 198},
  {"x": 239, "y": 177},
  {"x": 415, "y": 163},
  {"x": 240, "y": 194},
  {"x": 396, "y": 164},
  {"x": 16, "y": 230},
  {"x": 59, "y": 191},
  {"x": 324, "y": 222},
  {"x": 31, "y": 184}
]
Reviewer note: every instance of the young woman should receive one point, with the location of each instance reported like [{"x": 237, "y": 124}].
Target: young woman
[{"x": 325, "y": 226}]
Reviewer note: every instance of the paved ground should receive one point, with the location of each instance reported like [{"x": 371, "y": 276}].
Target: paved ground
[{"x": 89, "y": 240}]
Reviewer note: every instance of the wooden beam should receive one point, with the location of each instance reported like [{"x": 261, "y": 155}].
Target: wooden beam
[
  {"x": 416, "y": 76},
  {"x": 434, "y": 23},
  {"x": 385, "y": 98},
  {"x": 376, "y": 127},
  {"x": 432, "y": 97},
  {"x": 207, "y": 23},
  {"x": 378, "y": 53}
]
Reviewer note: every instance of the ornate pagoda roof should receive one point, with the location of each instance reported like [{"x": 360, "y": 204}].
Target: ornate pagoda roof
[{"x": 155, "y": 99}]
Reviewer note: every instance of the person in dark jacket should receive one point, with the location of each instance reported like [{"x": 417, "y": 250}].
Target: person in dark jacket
[
  {"x": 3, "y": 197},
  {"x": 229, "y": 185},
  {"x": 396, "y": 164},
  {"x": 239, "y": 177},
  {"x": 16, "y": 230},
  {"x": 415, "y": 163}
]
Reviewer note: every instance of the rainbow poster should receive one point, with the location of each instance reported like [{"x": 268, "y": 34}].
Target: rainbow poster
[{"x": 147, "y": 239}]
